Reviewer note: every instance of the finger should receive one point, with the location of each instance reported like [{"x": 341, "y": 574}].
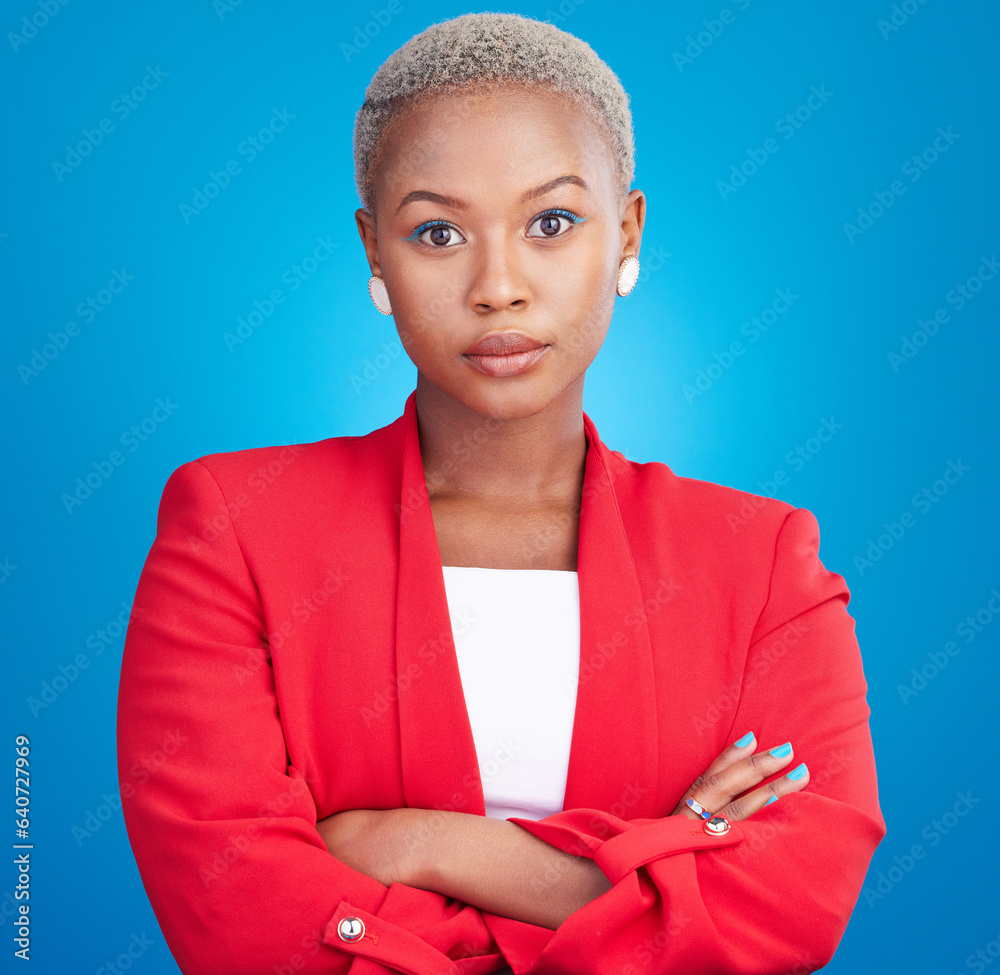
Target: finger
[
  {"x": 733, "y": 753},
  {"x": 719, "y": 789},
  {"x": 739, "y": 749},
  {"x": 746, "y": 805}
]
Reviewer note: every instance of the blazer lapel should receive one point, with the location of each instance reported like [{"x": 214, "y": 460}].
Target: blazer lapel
[
  {"x": 438, "y": 753},
  {"x": 613, "y": 763}
]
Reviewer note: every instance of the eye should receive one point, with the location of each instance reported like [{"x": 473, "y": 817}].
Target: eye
[
  {"x": 437, "y": 233},
  {"x": 554, "y": 223}
]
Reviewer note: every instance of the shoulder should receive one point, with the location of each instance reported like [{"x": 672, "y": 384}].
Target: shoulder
[
  {"x": 295, "y": 469},
  {"x": 739, "y": 540},
  {"x": 697, "y": 508}
]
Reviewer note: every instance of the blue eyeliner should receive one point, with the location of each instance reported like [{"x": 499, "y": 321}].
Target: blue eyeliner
[
  {"x": 561, "y": 213},
  {"x": 427, "y": 226}
]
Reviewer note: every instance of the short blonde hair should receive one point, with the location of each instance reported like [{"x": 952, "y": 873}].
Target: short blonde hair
[{"x": 483, "y": 50}]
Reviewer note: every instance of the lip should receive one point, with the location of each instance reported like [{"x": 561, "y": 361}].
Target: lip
[
  {"x": 503, "y": 343},
  {"x": 501, "y": 354}
]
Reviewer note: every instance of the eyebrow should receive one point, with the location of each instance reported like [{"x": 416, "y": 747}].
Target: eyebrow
[
  {"x": 554, "y": 184},
  {"x": 450, "y": 201}
]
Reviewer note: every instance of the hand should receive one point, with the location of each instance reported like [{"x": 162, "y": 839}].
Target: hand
[
  {"x": 370, "y": 841},
  {"x": 722, "y": 788}
]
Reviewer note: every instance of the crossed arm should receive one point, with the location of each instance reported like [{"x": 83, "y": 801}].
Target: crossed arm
[
  {"x": 497, "y": 866},
  {"x": 225, "y": 834}
]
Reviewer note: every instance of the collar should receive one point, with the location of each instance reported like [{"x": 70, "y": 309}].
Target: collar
[{"x": 614, "y": 753}]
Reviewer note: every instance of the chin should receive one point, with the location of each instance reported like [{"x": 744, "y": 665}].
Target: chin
[{"x": 507, "y": 399}]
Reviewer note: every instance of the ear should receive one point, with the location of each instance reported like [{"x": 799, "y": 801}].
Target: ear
[
  {"x": 366, "y": 227},
  {"x": 633, "y": 218}
]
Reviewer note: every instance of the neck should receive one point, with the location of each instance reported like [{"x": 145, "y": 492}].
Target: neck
[{"x": 466, "y": 454}]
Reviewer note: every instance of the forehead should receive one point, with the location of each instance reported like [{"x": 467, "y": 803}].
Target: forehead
[{"x": 492, "y": 143}]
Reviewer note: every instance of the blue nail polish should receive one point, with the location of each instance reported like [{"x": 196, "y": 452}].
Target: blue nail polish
[
  {"x": 797, "y": 773},
  {"x": 772, "y": 799},
  {"x": 782, "y": 750},
  {"x": 745, "y": 740}
]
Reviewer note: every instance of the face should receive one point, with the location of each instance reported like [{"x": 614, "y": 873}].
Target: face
[{"x": 495, "y": 214}]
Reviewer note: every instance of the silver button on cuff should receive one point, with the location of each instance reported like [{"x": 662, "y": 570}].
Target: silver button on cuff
[
  {"x": 717, "y": 826},
  {"x": 351, "y": 929}
]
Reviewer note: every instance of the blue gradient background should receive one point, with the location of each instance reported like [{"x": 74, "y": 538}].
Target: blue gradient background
[{"x": 708, "y": 264}]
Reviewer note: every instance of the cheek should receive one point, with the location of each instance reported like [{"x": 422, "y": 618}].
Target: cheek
[
  {"x": 423, "y": 290},
  {"x": 579, "y": 277},
  {"x": 423, "y": 295},
  {"x": 588, "y": 289}
]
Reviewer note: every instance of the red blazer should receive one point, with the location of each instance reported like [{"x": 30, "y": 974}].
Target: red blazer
[{"x": 290, "y": 656}]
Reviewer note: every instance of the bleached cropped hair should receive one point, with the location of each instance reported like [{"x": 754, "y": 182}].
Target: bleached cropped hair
[{"x": 483, "y": 49}]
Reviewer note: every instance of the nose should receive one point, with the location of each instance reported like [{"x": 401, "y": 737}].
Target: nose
[{"x": 498, "y": 282}]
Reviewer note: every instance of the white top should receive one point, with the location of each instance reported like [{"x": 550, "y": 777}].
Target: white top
[{"x": 517, "y": 638}]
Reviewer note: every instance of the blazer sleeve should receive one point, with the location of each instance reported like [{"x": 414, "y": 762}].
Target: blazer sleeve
[
  {"x": 222, "y": 827},
  {"x": 775, "y": 893}
]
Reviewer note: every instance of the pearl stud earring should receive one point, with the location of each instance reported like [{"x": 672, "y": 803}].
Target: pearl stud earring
[
  {"x": 628, "y": 274},
  {"x": 379, "y": 296}
]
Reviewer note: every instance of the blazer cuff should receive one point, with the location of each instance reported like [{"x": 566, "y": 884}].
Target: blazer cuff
[
  {"x": 621, "y": 846},
  {"x": 387, "y": 941},
  {"x": 383, "y": 942},
  {"x": 635, "y": 847}
]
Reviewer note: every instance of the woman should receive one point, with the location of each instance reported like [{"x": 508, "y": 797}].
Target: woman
[{"x": 473, "y": 689}]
